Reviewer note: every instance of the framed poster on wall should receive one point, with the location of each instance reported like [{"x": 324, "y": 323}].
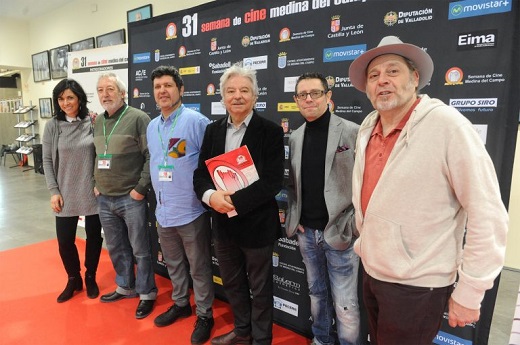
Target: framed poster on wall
[
  {"x": 40, "y": 66},
  {"x": 88, "y": 43},
  {"x": 111, "y": 39},
  {"x": 45, "y": 108},
  {"x": 140, "y": 13},
  {"x": 59, "y": 62}
]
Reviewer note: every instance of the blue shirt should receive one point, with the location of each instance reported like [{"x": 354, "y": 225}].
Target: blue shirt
[{"x": 176, "y": 141}]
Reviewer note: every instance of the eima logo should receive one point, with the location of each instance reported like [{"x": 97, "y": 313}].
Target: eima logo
[
  {"x": 474, "y": 8},
  {"x": 477, "y": 39},
  {"x": 343, "y": 53}
]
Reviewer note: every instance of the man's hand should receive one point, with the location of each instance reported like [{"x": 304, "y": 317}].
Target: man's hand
[
  {"x": 221, "y": 202},
  {"x": 301, "y": 228},
  {"x": 56, "y": 203},
  {"x": 461, "y": 316},
  {"x": 136, "y": 196}
]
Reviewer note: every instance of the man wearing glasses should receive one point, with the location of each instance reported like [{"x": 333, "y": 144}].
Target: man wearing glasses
[{"x": 321, "y": 212}]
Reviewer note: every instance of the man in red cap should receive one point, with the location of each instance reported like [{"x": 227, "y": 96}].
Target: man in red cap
[{"x": 427, "y": 200}]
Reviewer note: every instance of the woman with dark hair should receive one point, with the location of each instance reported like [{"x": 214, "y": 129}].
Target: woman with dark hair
[{"x": 68, "y": 163}]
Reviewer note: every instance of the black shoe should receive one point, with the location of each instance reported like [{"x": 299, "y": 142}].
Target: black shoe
[
  {"x": 144, "y": 308},
  {"x": 73, "y": 284},
  {"x": 172, "y": 314},
  {"x": 202, "y": 330},
  {"x": 92, "y": 288},
  {"x": 115, "y": 296}
]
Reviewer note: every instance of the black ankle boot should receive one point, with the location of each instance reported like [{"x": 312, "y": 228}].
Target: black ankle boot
[
  {"x": 73, "y": 284},
  {"x": 92, "y": 288}
]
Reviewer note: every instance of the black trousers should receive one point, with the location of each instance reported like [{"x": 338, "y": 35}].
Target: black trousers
[
  {"x": 403, "y": 314},
  {"x": 66, "y": 228},
  {"x": 242, "y": 269}
]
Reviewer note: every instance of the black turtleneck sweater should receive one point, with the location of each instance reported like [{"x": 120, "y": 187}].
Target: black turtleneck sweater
[{"x": 314, "y": 211}]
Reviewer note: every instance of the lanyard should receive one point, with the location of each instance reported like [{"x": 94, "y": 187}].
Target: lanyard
[
  {"x": 107, "y": 140},
  {"x": 176, "y": 116}
]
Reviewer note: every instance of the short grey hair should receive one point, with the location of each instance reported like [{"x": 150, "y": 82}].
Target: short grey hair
[
  {"x": 239, "y": 70},
  {"x": 111, "y": 75}
]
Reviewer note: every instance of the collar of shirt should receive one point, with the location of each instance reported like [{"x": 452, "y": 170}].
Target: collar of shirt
[
  {"x": 378, "y": 129},
  {"x": 245, "y": 123},
  {"x": 71, "y": 119}
]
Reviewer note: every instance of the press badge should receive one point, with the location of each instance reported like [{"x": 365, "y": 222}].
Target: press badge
[
  {"x": 104, "y": 161},
  {"x": 165, "y": 173}
]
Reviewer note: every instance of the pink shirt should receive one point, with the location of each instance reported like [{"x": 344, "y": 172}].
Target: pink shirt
[{"x": 377, "y": 153}]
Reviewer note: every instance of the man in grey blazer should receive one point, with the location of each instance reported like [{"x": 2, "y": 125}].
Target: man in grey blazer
[{"x": 321, "y": 212}]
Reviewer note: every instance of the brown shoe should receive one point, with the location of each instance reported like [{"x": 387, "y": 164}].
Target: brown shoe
[{"x": 232, "y": 338}]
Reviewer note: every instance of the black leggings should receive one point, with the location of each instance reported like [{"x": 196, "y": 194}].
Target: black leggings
[{"x": 66, "y": 233}]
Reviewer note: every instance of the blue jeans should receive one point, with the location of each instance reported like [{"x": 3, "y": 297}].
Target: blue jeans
[
  {"x": 332, "y": 277},
  {"x": 124, "y": 223}
]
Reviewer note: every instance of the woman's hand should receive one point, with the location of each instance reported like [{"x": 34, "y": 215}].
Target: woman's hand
[{"x": 56, "y": 203}]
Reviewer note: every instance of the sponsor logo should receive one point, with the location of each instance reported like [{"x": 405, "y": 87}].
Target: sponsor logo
[
  {"x": 285, "y": 306},
  {"x": 140, "y": 75},
  {"x": 210, "y": 89},
  {"x": 287, "y": 107},
  {"x": 444, "y": 338},
  {"x": 192, "y": 106},
  {"x": 330, "y": 81},
  {"x": 245, "y": 41},
  {"x": 189, "y": 70},
  {"x": 390, "y": 18},
  {"x": 454, "y": 76},
  {"x": 474, "y": 8},
  {"x": 285, "y": 35},
  {"x": 335, "y": 23},
  {"x": 343, "y": 53},
  {"x": 289, "y": 84},
  {"x": 182, "y": 51},
  {"x": 477, "y": 39},
  {"x": 171, "y": 31},
  {"x": 219, "y": 67},
  {"x": 218, "y": 108},
  {"x": 141, "y": 58},
  {"x": 473, "y": 102},
  {"x": 157, "y": 55},
  {"x": 406, "y": 17},
  {"x": 282, "y": 60},
  {"x": 256, "y": 62}
]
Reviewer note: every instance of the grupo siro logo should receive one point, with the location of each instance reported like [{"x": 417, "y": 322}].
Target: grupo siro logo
[
  {"x": 474, "y": 8},
  {"x": 477, "y": 39},
  {"x": 390, "y": 18},
  {"x": 282, "y": 60},
  {"x": 473, "y": 102},
  {"x": 343, "y": 53},
  {"x": 454, "y": 76}
]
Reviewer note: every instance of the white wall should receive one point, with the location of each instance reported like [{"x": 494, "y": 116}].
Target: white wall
[
  {"x": 15, "y": 47},
  {"x": 73, "y": 22}
]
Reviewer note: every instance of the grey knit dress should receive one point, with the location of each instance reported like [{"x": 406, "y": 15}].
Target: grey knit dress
[{"x": 69, "y": 169}]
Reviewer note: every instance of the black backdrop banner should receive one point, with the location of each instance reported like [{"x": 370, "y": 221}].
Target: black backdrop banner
[{"x": 474, "y": 45}]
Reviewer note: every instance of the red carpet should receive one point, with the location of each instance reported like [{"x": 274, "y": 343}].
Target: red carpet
[{"x": 31, "y": 278}]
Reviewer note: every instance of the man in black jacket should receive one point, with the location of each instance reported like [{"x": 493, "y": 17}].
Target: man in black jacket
[{"x": 244, "y": 242}]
